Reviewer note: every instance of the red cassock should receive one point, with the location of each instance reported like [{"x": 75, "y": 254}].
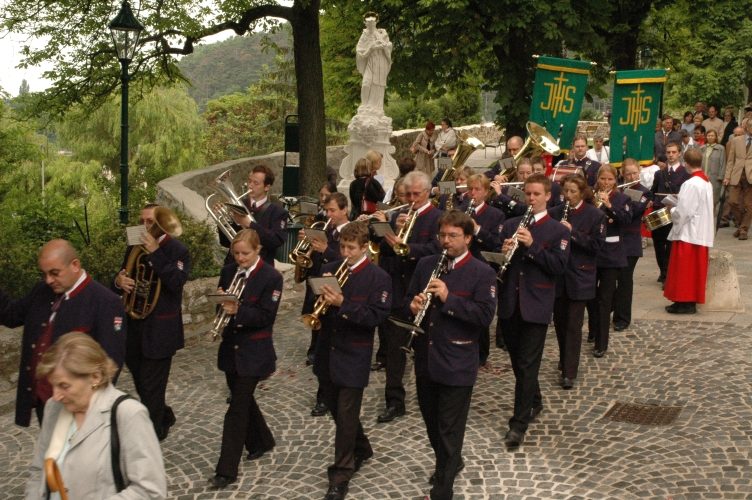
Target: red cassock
[{"x": 687, "y": 273}]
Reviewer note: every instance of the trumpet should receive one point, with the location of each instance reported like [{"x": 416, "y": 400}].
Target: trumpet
[
  {"x": 222, "y": 318},
  {"x": 371, "y": 217},
  {"x": 442, "y": 267},
  {"x": 301, "y": 254},
  {"x": 222, "y": 212},
  {"x": 526, "y": 220},
  {"x": 598, "y": 199},
  {"x": 313, "y": 320},
  {"x": 403, "y": 249}
]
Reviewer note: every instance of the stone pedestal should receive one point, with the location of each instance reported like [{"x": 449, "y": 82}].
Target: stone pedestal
[
  {"x": 368, "y": 130},
  {"x": 722, "y": 290}
]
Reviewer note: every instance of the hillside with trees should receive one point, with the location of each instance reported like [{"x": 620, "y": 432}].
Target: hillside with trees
[{"x": 229, "y": 66}]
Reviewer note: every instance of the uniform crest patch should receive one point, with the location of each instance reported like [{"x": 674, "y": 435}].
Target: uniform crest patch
[
  {"x": 276, "y": 295},
  {"x": 643, "y": 199},
  {"x": 118, "y": 323},
  {"x": 180, "y": 265},
  {"x": 563, "y": 244},
  {"x": 493, "y": 291},
  {"x": 384, "y": 296},
  {"x": 282, "y": 224}
]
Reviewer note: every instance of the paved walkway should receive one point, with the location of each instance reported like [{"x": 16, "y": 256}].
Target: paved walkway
[{"x": 702, "y": 364}]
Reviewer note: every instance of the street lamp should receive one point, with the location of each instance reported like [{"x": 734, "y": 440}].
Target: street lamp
[{"x": 125, "y": 30}]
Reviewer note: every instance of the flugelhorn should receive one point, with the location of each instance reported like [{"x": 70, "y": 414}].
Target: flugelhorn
[
  {"x": 222, "y": 318},
  {"x": 403, "y": 249},
  {"x": 141, "y": 301},
  {"x": 313, "y": 320},
  {"x": 414, "y": 327},
  {"x": 524, "y": 222},
  {"x": 221, "y": 212},
  {"x": 301, "y": 254}
]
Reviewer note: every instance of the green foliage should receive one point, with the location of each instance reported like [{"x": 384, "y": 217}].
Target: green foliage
[
  {"x": 18, "y": 144},
  {"x": 201, "y": 240},
  {"x": 228, "y": 66},
  {"x": 462, "y": 107},
  {"x": 590, "y": 114}
]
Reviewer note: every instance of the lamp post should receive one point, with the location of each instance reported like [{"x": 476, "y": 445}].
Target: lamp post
[{"x": 125, "y": 30}]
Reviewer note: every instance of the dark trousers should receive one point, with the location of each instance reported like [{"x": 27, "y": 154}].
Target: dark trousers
[
  {"x": 381, "y": 351},
  {"x": 484, "y": 346},
  {"x": 350, "y": 440},
  {"x": 150, "y": 378},
  {"x": 662, "y": 247},
  {"x": 244, "y": 425},
  {"x": 312, "y": 345},
  {"x": 444, "y": 409},
  {"x": 624, "y": 291},
  {"x": 525, "y": 343},
  {"x": 396, "y": 338},
  {"x": 599, "y": 309},
  {"x": 568, "y": 318}
]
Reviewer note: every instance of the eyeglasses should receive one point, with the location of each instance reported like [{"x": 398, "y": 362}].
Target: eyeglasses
[
  {"x": 451, "y": 236},
  {"x": 415, "y": 193}
]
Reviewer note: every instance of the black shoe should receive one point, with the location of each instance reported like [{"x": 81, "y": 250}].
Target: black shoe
[
  {"x": 336, "y": 492},
  {"x": 229, "y": 399},
  {"x": 620, "y": 326},
  {"x": 724, "y": 224},
  {"x": 514, "y": 438},
  {"x": 390, "y": 414},
  {"x": 682, "y": 308},
  {"x": 319, "y": 410},
  {"x": 219, "y": 482},
  {"x": 255, "y": 455},
  {"x": 598, "y": 353},
  {"x": 567, "y": 383},
  {"x": 359, "y": 459},
  {"x": 310, "y": 359},
  {"x": 460, "y": 466},
  {"x": 535, "y": 411},
  {"x": 661, "y": 279},
  {"x": 501, "y": 344},
  {"x": 376, "y": 366},
  {"x": 590, "y": 338}
]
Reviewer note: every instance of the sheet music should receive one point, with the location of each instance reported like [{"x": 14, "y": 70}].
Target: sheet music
[{"x": 133, "y": 234}]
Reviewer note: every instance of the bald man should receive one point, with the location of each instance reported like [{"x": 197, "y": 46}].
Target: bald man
[
  {"x": 66, "y": 300},
  {"x": 514, "y": 144}
]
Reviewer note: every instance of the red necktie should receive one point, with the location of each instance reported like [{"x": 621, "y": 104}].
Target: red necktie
[{"x": 41, "y": 387}]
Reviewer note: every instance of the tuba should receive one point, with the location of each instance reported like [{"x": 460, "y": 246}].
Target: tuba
[
  {"x": 142, "y": 300},
  {"x": 538, "y": 140},
  {"x": 467, "y": 145},
  {"x": 313, "y": 320},
  {"x": 222, "y": 211}
]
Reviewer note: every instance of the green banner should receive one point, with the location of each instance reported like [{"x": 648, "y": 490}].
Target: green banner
[
  {"x": 636, "y": 107},
  {"x": 557, "y": 96}
]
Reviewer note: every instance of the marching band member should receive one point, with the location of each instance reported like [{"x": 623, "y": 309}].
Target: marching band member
[
  {"x": 446, "y": 356},
  {"x": 618, "y": 212},
  {"x": 630, "y": 171},
  {"x": 459, "y": 197},
  {"x": 270, "y": 218},
  {"x": 323, "y": 253},
  {"x": 590, "y": 168},
  {"x": 510, "y": 206},
  {"x": 666, "y": 180},
  {"x": 344, "y": 348},
  {"x": 692, "y": 234},
  {"x": 487, "y": 224},
  {"x": 65, "y": 299},
  {"x": 246, "y": 353},
  {"x": 513, "y": 146},
  {"x": 528, "y": 288},
  {"x": 576, "y": 287},
  {"x": 421, "y": 242},
  {"x": 153, "y": 341}
]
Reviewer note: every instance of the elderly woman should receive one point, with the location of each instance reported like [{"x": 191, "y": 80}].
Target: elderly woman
[
  {"x": 423, "y": 149},
  {"x": 599, "y": 152},
  {"x": 714, "y": 163},
  {"x": 76, "y": 431}
]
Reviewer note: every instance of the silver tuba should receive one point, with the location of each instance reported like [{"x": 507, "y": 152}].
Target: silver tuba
[{"x": 221, "y": 211}]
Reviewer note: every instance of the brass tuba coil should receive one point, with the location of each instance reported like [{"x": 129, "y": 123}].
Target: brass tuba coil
[
  {"x": 467, "y": 145},
  {"x": 221, "y": 212},
  {"x": 141, "y": 301}
]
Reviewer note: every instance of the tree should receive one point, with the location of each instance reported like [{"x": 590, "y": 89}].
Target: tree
[
  {"x": 24, "y": 88},
  {"x": 86, "y": 71}
]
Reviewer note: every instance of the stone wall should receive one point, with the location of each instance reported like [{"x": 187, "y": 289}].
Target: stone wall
[{"x": 487, "y": 133}]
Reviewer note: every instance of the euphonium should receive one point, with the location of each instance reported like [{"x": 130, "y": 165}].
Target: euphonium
[
  {"x": 301, "y": 254},
  {"x": 222, "y": 318},
  {"x": 524, "y": 222},
  {"x": 141, "y": 301},
  {"x": 441, "y": 268},
  {"x": 313, "y": 320},
  {"x": 403, "y": 249},
  {"x": 220, "y": 212}
]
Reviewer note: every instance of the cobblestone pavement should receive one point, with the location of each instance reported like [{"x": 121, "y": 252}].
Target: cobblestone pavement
[{"x": 570, "y": 452}]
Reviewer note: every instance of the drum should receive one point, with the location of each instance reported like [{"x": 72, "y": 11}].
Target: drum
[
  {"x": 562, "y": 171},
  {"x": 657, "y": 218}
]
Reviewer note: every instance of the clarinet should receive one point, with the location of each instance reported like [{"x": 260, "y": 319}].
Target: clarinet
[
  {"x": 566, "y": 212},
  {"x": 526, "y": 219}
]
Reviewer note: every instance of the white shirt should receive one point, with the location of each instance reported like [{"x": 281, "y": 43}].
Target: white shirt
[
  {"x": 446, "y": 140},
  {"x": 599, "y": 156},
  {"x": 693, "y": 215},
  {"x": 647, "y": 174}
]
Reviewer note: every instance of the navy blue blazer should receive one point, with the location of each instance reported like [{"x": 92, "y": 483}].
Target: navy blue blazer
[
  {"x": 667, "y": 181},
  {"x": 614, "y": 253},
  {"x": 345, "y": 343},
  {"x": 510, "y": 206},
  {"x": 422, "y": 242},
  {"x": 530, "y": 279},
  {"x": 163, "y": 328},
  {"x": 91, "y": 308},
  {"x": 500, "y": 165},
  {"x": 271, "y": 222},
  {"x": 589, "y": 168},
  {"x": 448, "y": 352},
  {"x": 247, "y": 347},
  {"x": 587, "y": 239},
  {"x": 490, "y": 220},
  {"x": 632, "y": 230},
  {"x": 556, "y": 196}
]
